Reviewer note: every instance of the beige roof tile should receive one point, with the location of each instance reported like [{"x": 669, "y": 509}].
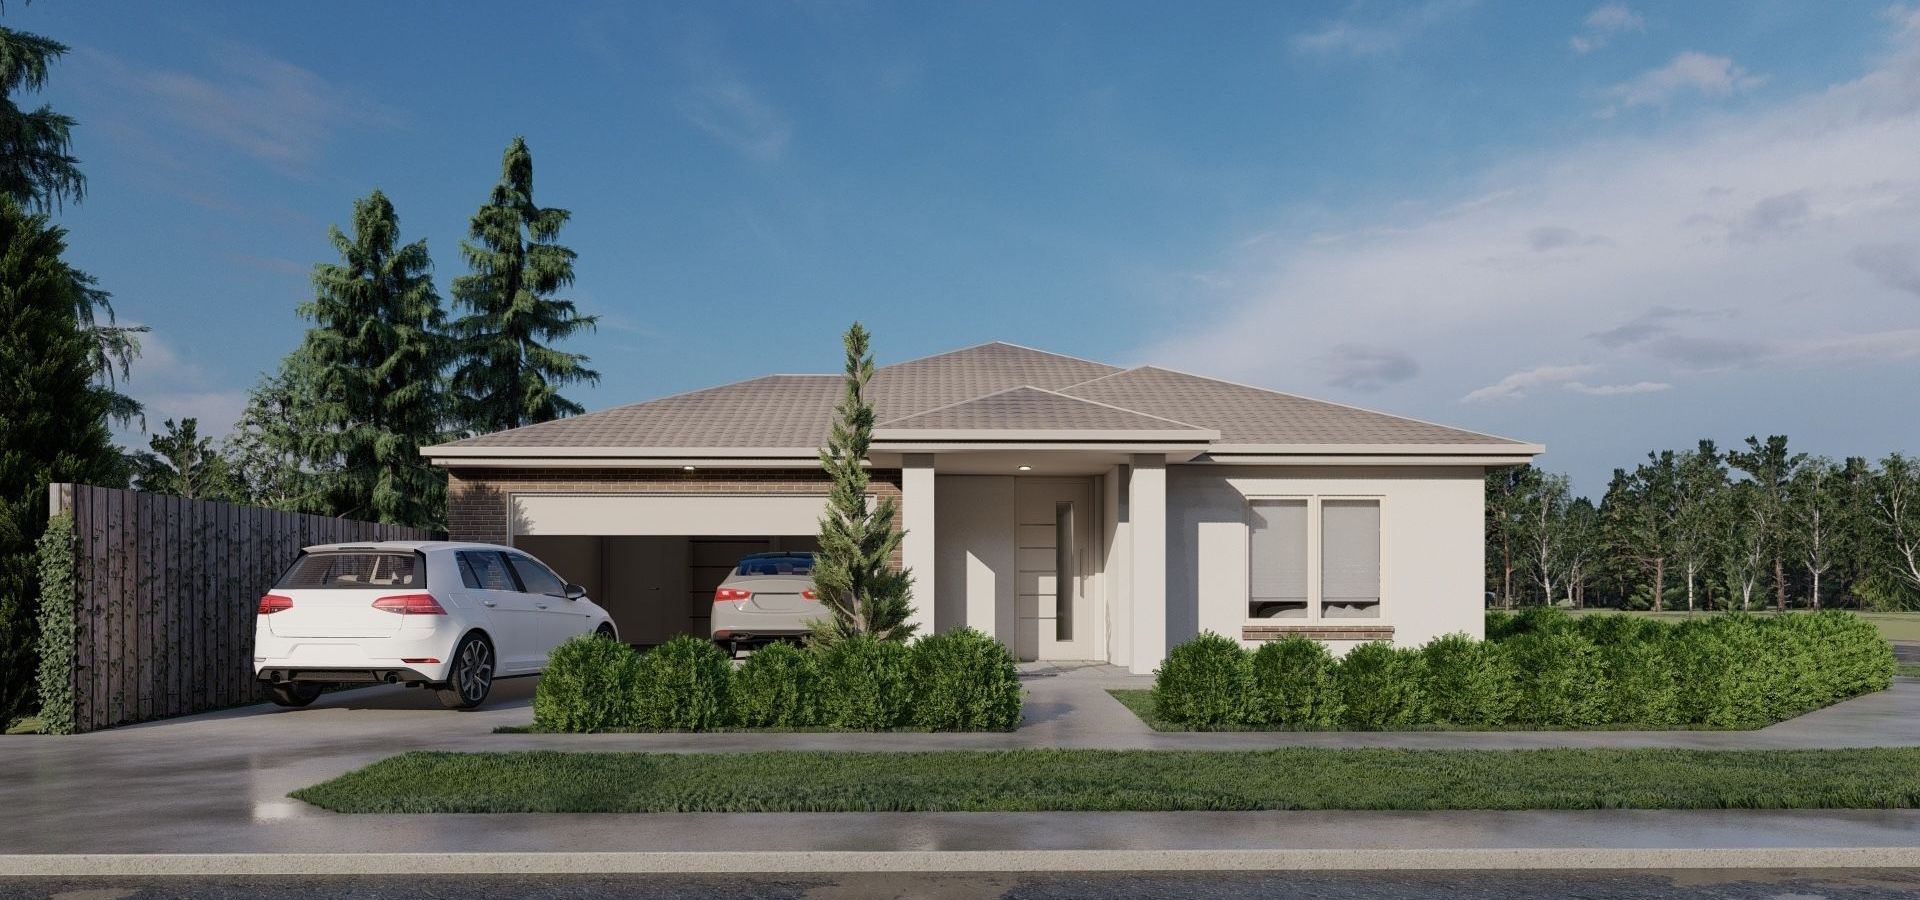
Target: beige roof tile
[
  {"x": 991, "y": 387},
  {"x": 1250, "y": 415},
  {"x": 1032, "y": 409}
]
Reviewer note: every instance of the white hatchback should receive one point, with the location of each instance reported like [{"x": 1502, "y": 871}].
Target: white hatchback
[{"x": 447, "y": 616}]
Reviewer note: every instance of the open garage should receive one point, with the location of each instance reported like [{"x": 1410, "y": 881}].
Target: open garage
[{"x": 653, "y": 560}]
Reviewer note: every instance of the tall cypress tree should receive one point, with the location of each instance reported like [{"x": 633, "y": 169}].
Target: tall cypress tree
[
  {"x": 378, "y": 357},
  {"x": 54, "y": 422},
  {"x": 853, "y": 572},
  {"x": 509, "y": 374}
]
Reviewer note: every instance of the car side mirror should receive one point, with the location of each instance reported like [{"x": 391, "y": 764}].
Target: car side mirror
[{"x": 575, "y": 592}]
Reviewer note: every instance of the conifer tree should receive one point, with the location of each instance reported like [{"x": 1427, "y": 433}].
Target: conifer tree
[
  {"x": 54, "y": 422},
  {"x": 509, "y": 374},
  {"x": 378, "y": 357},
  {"x": 853, "y": 573}
]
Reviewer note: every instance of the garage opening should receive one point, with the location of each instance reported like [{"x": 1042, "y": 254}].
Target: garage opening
[
  {"x": 653, "y": 560},
  {"x": 655, "y": 587}
]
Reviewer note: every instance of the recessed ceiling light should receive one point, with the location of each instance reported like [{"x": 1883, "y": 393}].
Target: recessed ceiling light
[
  {"x": 686, "y": 468},
  {"x": 1026, "y": 468}
]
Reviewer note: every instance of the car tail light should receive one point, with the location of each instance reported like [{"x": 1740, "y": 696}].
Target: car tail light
[
  {"x": 808, "y": 594},
  {"x": 729, "y": 595},
  {"x": 273, "y": 603},
  {"x": 418, "y": 659},
  {"x": 410, "y": 605}
]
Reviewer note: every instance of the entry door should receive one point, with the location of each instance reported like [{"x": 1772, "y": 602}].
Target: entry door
[{"x": 1055, "y": 527}]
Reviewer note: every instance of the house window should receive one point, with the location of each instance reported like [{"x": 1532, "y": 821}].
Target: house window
[
  {"x": 1312, "y": 558},
  {"x": 1277, "y": 552},
  {"x": 1350, "y": 559}
]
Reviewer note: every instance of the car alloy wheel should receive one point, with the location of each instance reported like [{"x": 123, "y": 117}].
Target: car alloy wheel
[{"x": 471, "y": 677}]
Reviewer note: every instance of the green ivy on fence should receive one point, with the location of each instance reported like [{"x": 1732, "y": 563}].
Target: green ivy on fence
[{"x": 56, "y": 626}]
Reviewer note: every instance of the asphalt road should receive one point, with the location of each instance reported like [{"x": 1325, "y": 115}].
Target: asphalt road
[{"x": 1716, "y": 885}]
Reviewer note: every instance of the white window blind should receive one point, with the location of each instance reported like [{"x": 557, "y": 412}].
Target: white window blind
[
  {"x": 1277, "y": 559},
  {"x": 1349, "y": 559}
]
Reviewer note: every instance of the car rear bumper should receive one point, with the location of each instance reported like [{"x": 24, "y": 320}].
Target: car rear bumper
[
  {"x": 348, "y": 676},
  {"x": 412, "y": 656}
]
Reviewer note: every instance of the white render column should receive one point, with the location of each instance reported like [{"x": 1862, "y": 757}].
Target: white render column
[
  {"x": 1147, "y": 531},
  {"x": 916, "y": 549}
]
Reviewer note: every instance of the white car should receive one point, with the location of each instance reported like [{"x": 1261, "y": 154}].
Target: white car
[{"x": 448, "y": 616}]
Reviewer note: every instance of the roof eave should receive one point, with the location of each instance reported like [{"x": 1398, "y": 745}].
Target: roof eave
[{"x": 1003, "y": 435}]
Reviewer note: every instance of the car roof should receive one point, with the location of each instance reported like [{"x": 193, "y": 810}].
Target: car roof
[
  {"x": 422, "y": 546},
  {"x": 777, "y": 554}
]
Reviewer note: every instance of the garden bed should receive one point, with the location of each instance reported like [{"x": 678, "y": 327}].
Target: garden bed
[{"x": 1139, "y": 780}]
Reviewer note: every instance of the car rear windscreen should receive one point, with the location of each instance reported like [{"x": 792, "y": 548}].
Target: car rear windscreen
[
  {"x": 339, "y": 570},
  {"x": 791, "y": 564}
]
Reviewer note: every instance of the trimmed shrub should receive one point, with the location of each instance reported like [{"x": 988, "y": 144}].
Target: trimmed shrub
[
  {"x": 864, "y": 684},
  {"x": 776, "y": 688},
  {"x": 587, "y": 686},
  {"x": 1642, "y": 687},
  {"x": 1500, "y": 625},
  {"x": 1381, "y": 688},
  {"x": 1800, "y": 683},
  {"x": 1561, "y": 682},
  {"x": 1855, "y": 658},
  {"x": 683, "y": 685},
  {"x": 1541, "y": 620},
  {"x": 964, "y": 680},
  {"x": 1293, "y": 685},
  {"x": 1469, "y": 682},
  {"x": 1608, "y": 629},
  {"x": 1721, "y": 667},
  {"x": 1206, "y": 683}
]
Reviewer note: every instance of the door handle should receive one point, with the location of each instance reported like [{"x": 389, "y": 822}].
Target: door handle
[
  {"x": 487, "y": 603},
  {"x": 541, "y": 605}
]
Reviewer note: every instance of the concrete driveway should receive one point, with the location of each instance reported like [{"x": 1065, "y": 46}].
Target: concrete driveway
[{"x": 217, "y": 783}]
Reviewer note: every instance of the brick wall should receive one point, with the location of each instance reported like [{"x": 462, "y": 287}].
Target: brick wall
[{"x": 477, "y": 498}]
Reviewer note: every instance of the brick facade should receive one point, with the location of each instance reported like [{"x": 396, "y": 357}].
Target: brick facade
[{"x": 477, "y": 498}]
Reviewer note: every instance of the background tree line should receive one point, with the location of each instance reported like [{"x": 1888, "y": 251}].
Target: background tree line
[
  {"x": 383, "y": 369},
  {"x": 1700, "y": 529}
]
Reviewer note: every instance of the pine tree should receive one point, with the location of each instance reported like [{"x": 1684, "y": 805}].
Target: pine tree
[
  {"x": 509, "y": 375},
  {"x": 378, "y": 356},
  {"x": 853, "y": 572},
  {"x": 184, "y": 464},
  {"x": 267, "y": 451},
  {"x": 54, "y": 415},
  {"x": 37, "y": 168},
  {"x": 38, "y": 171}
]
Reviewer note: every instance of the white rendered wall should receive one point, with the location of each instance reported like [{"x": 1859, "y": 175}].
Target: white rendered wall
[{"x": 1432, "y": 578}]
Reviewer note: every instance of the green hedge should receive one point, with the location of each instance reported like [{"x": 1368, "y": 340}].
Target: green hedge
[
  {"x": 958, "y": 681},
  {"x": 1537, "y": 669},
  {"x": 57, "y": 626}
]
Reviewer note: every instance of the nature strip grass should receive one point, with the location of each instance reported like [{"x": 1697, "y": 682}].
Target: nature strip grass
[{"x": 1130, "y": 780}]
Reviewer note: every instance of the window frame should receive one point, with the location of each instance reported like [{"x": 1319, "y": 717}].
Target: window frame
[{"x": 1315, "y": 617}]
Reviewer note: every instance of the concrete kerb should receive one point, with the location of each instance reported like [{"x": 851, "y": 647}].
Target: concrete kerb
[{"x": 786, "y": 862}]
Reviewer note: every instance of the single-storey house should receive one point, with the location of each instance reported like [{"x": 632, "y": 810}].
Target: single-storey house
[{"x": 1073, "y": 509}]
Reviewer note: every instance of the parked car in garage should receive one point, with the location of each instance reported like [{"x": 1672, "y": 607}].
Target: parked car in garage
[
  {"x": 767, "y": 597},
  {"x": 447, "y": 616}
]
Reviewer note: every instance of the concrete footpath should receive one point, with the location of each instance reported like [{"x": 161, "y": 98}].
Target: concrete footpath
[{"x": 208, "y": 791}]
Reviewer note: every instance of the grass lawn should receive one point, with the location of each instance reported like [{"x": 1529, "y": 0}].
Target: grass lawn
[
  {"x": 1074, "y": 780},
  {"x": 1909, "y": 671},
  {"x": 1894, "y": 626}
]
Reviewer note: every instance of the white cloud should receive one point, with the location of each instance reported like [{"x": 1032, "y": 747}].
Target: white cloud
[
  {"x": 1748, "y": 259},
  {"x": 1603, "y": 25},
  {"x": 1516, "y": 385},
  {"x": 733, "y": 113},
  {"x": 1382, "y": 37},
  {"x": 249, "y": 100},
  {"x": 1617, "y": 390},
  {"x": 1690, "y": 72},
  {"x": 174, "y": 387}
]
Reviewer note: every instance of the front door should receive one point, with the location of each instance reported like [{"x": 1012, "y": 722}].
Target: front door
[{"x": 1054, "y": 558}]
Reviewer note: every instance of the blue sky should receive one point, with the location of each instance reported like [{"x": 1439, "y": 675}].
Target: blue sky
[{"x": 1607, "y": 227}]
